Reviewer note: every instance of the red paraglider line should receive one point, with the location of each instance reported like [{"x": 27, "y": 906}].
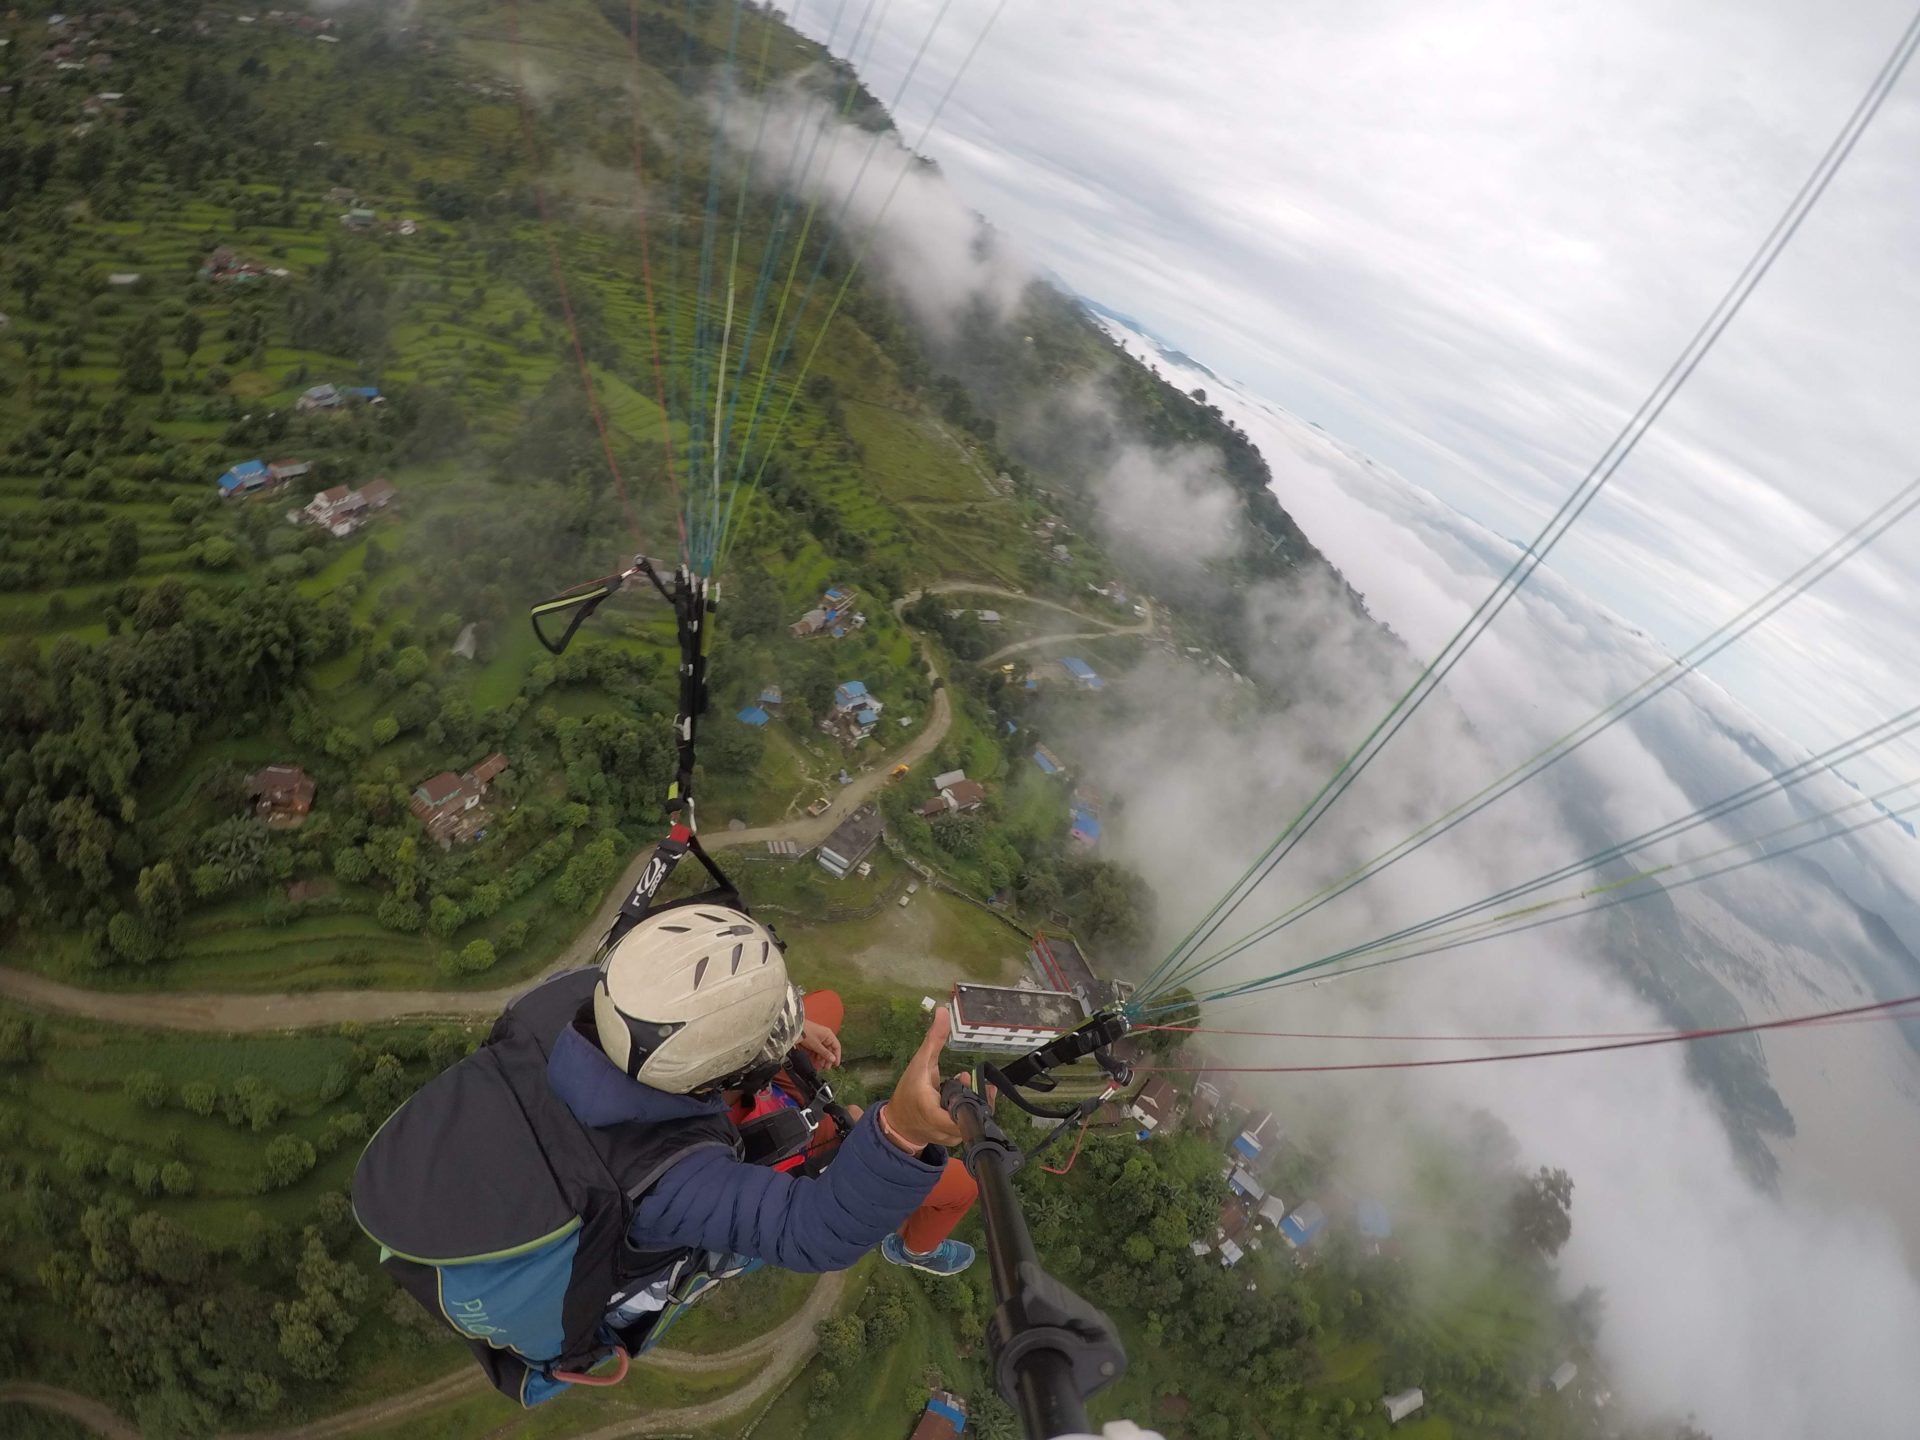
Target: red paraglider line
[{"x": 559, "y": 273}]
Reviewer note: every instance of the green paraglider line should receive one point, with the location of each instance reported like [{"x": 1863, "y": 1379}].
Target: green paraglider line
[{"x": 1563, "y": 519}]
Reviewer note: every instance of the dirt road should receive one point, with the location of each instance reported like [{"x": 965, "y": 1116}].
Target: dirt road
[
  {"x": 1142, "y": 626},
  {"x": 227, "y": 1014},
  {"x": 90, "y": 1413},
  {"x": 778, "y": 1353}
]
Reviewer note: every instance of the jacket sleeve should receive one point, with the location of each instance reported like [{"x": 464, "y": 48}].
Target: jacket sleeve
[{"x": 713, "y": 1201}]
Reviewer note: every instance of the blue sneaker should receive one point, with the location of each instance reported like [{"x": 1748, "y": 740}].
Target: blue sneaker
[{"x": 949, "y": 1257}]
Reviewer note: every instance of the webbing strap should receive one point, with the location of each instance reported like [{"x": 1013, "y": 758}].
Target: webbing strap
[{"x": 694, "y": 601}]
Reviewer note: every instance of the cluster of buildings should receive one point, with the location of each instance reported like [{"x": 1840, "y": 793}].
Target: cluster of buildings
[
  {"x": 340, "y": 511},
  {"x": 448, "y": 805},
  {"x": 834, "y": 615},
  {"x": 253, "y": 477},
  {"x": 77, "y": 42},
  {"x": 854, "y": 715},
  {"x": 325, "y": 398},
  {"x": 226, "y": 266},
  {"x": 281, "y": 795},
  {"x": 362, "y": 220}
]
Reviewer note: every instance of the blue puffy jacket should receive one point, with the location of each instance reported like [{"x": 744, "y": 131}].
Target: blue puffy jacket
[{"x": 712, "y": 1201}]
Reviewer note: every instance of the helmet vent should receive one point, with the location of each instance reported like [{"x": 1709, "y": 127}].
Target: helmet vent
[
  {"x": 700, "y": 971},
  {"x": 675, "y": 929},
  {"x": 766, "y": 952},
  {"x": 738, "y": 951}
]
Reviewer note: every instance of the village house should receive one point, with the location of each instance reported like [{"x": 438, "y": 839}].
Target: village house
[
  {"x": 448, "y": 805},
  {"x": 245, "y": 478},
  {"x": 1153, "y": 1104},
  {"x": 851, "y": 842},
  {"x": 959, "y": 798},
  {"x": 854, "y": 715},
  {"x": 1081, "y": 673},
  {"x": 1083, "y": 827},
  {"x": 334, "y": 397},
  {"x": 281, "y": 795},
  {"x": 225, "y": 266},
  {"x": 1000, "y": 1017},
  {"x": 1048, "y": 762},
  {"x": 944, "y": 1418},
  {"x": 284, "y": 472},
  {"x": 336, "y": 509},
  {"x": 342, "y": 511},
  {"x": 1400, "y": 1406},
  {"x": 1304, "y": 1225}
]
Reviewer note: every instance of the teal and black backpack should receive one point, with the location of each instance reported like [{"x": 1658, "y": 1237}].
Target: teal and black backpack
[{"x": 504, "y": 1216}]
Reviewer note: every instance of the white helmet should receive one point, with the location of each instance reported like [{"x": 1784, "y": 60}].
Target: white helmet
[{"x": 694, "y": 998}]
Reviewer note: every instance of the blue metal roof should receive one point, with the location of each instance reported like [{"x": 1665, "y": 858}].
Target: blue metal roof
[
  {"x": 955, "y": 1418},
  {"x": 1085, "y": 825},
  {"x": 1246, "y": 1147},
  {"x": 1077, "y": 667},
  {"x": 753, "y": 715},
  {"x": 1304, "y": 1224},
  {"x": 852, "y": 689},
  {"x": 1374, "y": 1221},
  {"x": 1045, "y": 764},
  {"x": 866, "y": 717}
]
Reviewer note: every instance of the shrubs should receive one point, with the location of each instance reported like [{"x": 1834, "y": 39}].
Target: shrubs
[
  {"x": 477, "y": 956},
  {"x": 288, "y": 1159}
]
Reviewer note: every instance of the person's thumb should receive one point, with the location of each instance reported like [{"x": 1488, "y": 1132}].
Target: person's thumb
[{"x": 927, "y": 1057}]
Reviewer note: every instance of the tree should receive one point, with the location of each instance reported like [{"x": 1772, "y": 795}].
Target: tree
[
  {"x": 176, "y": 1178},
  {"x": 199, "y": 1096},
  {"x": 444, "y": 916},
  {"x": 1539, "y": 1216},
  {"x": 140, "y": 364},
  {"x": 288, "y": 1159},
  {"x": 732, "y": 748},
  {"x": 145, "y": 1087},
  {"x": 350, "y": 864},
  {"x": 477, "y": 956},
  {"x": 123, "y": 547},
  {"x": 187, "y": 334},
  {"x": 384, "y": 1086},
  {"x": 385, "y": 730},
  {"x": 159, "y": 896}
]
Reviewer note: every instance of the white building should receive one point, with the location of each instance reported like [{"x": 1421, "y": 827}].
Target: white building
[
  {"x": 996, "y": 1017},
  {"x": 1402, "y": 1405}
]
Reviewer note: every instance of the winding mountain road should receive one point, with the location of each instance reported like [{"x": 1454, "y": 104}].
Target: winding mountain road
[{"x": 778, "y": 1353}]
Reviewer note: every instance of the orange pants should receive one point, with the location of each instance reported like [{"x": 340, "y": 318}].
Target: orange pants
[{"x": 953, "y": 1193}]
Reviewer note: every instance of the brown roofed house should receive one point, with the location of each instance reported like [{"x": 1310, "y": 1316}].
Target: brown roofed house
[
  {"x": 966, "y": 795},
  {"x": 484, "y": 773},
  {"x": 281, "y": 795},
  {"x": 378, "y": 493}
]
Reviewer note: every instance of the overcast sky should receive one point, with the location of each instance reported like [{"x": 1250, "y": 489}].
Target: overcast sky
[{"x": 1468, "y": 237}]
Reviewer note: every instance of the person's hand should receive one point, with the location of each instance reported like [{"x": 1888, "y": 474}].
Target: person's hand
[
  {"x": 819, "y": 1044},
  {"x": 914, "y": 1118}
]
